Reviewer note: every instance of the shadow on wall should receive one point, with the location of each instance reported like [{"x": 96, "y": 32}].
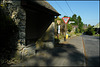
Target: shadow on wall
[{"x": 8, "y": 38}]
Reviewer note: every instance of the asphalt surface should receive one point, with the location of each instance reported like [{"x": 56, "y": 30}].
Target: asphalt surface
[
  {"x": 69, "y": 53},
  {"x": 92, "y": 49}
]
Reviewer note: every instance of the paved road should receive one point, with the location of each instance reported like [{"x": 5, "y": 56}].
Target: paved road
[
  {"x": 64, "y": 54},
  {"x": 92, "y": 50}
]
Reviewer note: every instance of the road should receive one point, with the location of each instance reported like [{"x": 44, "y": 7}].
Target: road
[
  {"x": 69, "y": 53},
  {"x": 92, "y": 49}
]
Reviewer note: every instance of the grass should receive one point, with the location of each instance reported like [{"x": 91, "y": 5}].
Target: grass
[
  {"x": 78, "y": 34},
  {"x": 71, "y": 33},
  {"x": 60, "y": 36},
  {"x": 97, "y": 35}
]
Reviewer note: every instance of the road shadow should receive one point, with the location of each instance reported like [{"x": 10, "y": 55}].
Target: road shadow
[
  {"x": 55, "y": 56},
  {"x": 94, "y": 61},
  {"x": 52, "y": 57}
]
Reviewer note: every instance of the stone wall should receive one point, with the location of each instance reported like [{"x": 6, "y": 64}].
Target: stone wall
[
  {"x": 18, "y": 15},
  {"x": 47, "y": 40},
  {"x": 14, "y": 10}
]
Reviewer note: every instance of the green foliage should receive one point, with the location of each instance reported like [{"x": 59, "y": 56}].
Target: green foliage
[
  {"x": 74, "y": 16},
  {"x": 90, "y": 30},
  {"x": 89, "y": 25},
  {"x": 80, "y": 26},
  {"x": 58, "y": 19},
  {"x": 78, "y": 34},
  {"x": 97, "y": 35},
  {"x": 65, "y": 16},
  {"x": 76, "y": 30},
  {"x": 69, "y": 27},
  {"x": 78, "y": 21},
  {"x": 71, "y": 19}
]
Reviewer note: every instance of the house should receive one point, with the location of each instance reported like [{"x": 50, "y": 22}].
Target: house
[
  {"x": 97, "y": 28},
  {"x": 85, "y": 26},
  {"x": 34, "y": 21},
  {"x": 74, "y": 27}
]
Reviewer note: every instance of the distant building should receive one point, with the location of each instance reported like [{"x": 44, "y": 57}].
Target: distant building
[
  {"x": 85, "y": 26},
  {"x": 97, "y": 28},
  {"x": 74, "y": 27}
]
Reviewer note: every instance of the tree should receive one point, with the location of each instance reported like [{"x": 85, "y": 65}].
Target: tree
[
  {"x": 65, "y": 16},
  {"x": 79, "y": 20},
  {"x": 74, "y": 16},
  {"x": 90, "y": 30},
  {"x": 89, "y": 25},
  {"x": 69, "y": 27},
  {"x": 80, "y": 27},
  {"x": 80, "y": 24},
  {"x": 76, "y": 30},
  {"x": 56, "y": 19},
  {"x": 71, "y": 19}
]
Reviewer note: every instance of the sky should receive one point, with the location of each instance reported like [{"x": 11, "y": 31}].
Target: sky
[{"x": 88, "y": 10}]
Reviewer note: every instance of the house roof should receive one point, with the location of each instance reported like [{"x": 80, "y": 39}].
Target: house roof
[{"x": 44, "y": 6}]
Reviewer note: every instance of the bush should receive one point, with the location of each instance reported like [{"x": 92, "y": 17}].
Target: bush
[
  {"x": 76, "y": 30},
  {"x": 69, "y": 27},
  {"x": 90, "y": 31}
]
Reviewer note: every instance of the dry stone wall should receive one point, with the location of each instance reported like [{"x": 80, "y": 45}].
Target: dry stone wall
[{"x": 18, "y": 15}]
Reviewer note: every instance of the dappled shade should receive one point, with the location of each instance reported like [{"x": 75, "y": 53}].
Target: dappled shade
[{"x": 55, "y": 56}]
